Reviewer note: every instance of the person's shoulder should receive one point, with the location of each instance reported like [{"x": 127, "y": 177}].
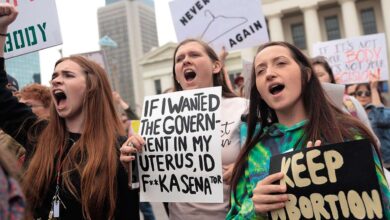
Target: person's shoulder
[
  {"x": 237, "y": 100},
  {"x": 236, "y": 103}
]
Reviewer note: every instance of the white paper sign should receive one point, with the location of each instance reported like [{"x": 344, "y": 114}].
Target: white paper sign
[
  {"x": 335, "y": 92},
  {"x": 96, "y": 56},
  {"x": 355, "y": 60},
  {"x": 234, "y": 24},
  {"x": 181, "y": 161},
  {"x": 35, "y": 28},
  {"x": 247, "y": 74}
]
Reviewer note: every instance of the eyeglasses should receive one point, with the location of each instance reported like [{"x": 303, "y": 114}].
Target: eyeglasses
[{"x": 363, "y": 93}]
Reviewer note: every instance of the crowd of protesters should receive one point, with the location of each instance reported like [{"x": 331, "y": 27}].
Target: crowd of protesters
[{"x": 65, "y": 150}]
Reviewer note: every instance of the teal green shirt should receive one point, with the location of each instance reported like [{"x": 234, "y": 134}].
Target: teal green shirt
[{"x": 278, "y": 139}]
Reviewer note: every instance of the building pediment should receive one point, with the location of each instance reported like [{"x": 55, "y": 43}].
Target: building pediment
[{"x": 159, "y": 54}]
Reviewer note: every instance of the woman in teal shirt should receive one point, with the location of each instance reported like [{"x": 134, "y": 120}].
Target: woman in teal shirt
[{"x": 287, "y": 100}]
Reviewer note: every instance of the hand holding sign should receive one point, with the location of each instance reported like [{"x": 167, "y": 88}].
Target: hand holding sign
[
  {"x": 336, "y": 181},
  {"x": 128, "y": 151},
  {"x": 8, "y": 14},
  {"x": 374, "y": 81},
  {"x": 181, "y": 160},
  {"x": 316, "y": 144},
  {"x": 268, "y": 196},
  {"x": 132, "y": 146}
]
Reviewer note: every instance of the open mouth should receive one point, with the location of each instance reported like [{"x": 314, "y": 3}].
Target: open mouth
[
  {"x": 189, "y": 75},
  {"x": 275, "y": 89},
  {"x": 59, "y": 96}
]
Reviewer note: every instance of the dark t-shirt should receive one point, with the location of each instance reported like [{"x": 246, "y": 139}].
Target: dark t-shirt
[{"x": 17, "y": 120}]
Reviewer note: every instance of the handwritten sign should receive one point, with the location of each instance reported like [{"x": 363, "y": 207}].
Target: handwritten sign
[
  {"x": 181, "y": 161},
  {"x": 356, "y": 60},
  {"x": 336, "y": 181},
  {"x": 35, "y": 28},
  {"x": 229, "y": 23}
]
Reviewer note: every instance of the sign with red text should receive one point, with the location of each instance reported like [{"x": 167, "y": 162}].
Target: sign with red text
[
  {"x": 357, "y": 59},
  {"x": 229, "y": 23},
  {"x": 35, "y": 28},
  {"x": 181, "y": 159},
  {"x": 336, "y": 181}
]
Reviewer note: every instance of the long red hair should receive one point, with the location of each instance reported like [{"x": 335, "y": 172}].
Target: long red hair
[{"x": 94, "y": 157}]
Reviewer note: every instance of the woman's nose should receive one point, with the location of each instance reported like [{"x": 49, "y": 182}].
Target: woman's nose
[
  {"x": 186, "y": 60},
  {"x": 56, "y": 81},
  {"x": 269, "y": 74}
]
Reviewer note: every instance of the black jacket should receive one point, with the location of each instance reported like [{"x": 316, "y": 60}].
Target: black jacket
[{"x": 18, "y": 120}]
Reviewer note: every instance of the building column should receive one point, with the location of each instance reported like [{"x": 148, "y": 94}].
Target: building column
[
  {"x": 312, "y": 26},
  {"x": 275, "y": 27},
  {"x": 350, "y": 18},
  {"x": 385, "y": 5}
]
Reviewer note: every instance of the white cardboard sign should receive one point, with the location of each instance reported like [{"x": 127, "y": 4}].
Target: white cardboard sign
[
  {"x": 235, "y": 24},
  {"x": 35, "y": 28},
  {"x": 181, "y": 160},
  {"x": 355, "y": 60}
]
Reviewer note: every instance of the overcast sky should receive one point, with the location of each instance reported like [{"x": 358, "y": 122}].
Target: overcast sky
[{"x": 79, "y": 29}]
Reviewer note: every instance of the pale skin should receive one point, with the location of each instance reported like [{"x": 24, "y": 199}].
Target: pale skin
[
  {"x": 267, "y": 196},
  {"x": 8, "y": 14},
  {"x": 70, "y": 78},
  {"x": 189, "y": 56},
  {"x": 67, "y": 76},
  {"x": 275, "y": 64}
]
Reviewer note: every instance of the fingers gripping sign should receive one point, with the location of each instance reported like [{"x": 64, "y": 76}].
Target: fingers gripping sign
[
  {"x": 268, "y": 196},
  {"x": 129, "y": 149},
  {"x": 317, "y": 143},
  {"x": 8, "y": 14},
  {"x": 132, "y": 146}
]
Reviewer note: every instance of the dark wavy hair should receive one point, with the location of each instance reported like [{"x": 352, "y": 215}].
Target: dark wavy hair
[{"x": 326, "y": 122}]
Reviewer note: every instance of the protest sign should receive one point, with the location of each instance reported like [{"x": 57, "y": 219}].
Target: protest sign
[
  {"x": 247, "y": 67},
  {"x": 335, "y": 92},
  {"x": 336, "y": 181},
  {"x": 229, "y": 23},
  {"x": 355, "y": 60},
  {"x": 96, "y": 56},
  {"x": 134, "y": 126},
  {"x": 35, "y": 28},
  {"x": 181, "y": 158}
]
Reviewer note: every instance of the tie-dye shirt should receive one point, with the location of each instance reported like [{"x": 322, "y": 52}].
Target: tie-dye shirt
[{"x": 278, "y": 139}]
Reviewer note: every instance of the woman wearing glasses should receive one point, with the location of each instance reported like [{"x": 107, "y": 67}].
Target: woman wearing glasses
[{"x": 369, "y": 96}]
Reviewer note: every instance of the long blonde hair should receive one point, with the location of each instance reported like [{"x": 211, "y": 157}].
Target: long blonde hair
[{"x": 94, "y": 157}]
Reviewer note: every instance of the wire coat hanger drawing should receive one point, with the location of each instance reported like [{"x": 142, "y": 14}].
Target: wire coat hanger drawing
[{"x": 221, "y": 20}]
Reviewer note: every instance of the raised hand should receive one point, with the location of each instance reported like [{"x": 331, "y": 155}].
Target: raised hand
[{"x": 8, "y": 14}]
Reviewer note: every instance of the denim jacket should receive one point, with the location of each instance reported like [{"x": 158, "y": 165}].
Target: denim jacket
[{"x": 380, "y": 122}]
